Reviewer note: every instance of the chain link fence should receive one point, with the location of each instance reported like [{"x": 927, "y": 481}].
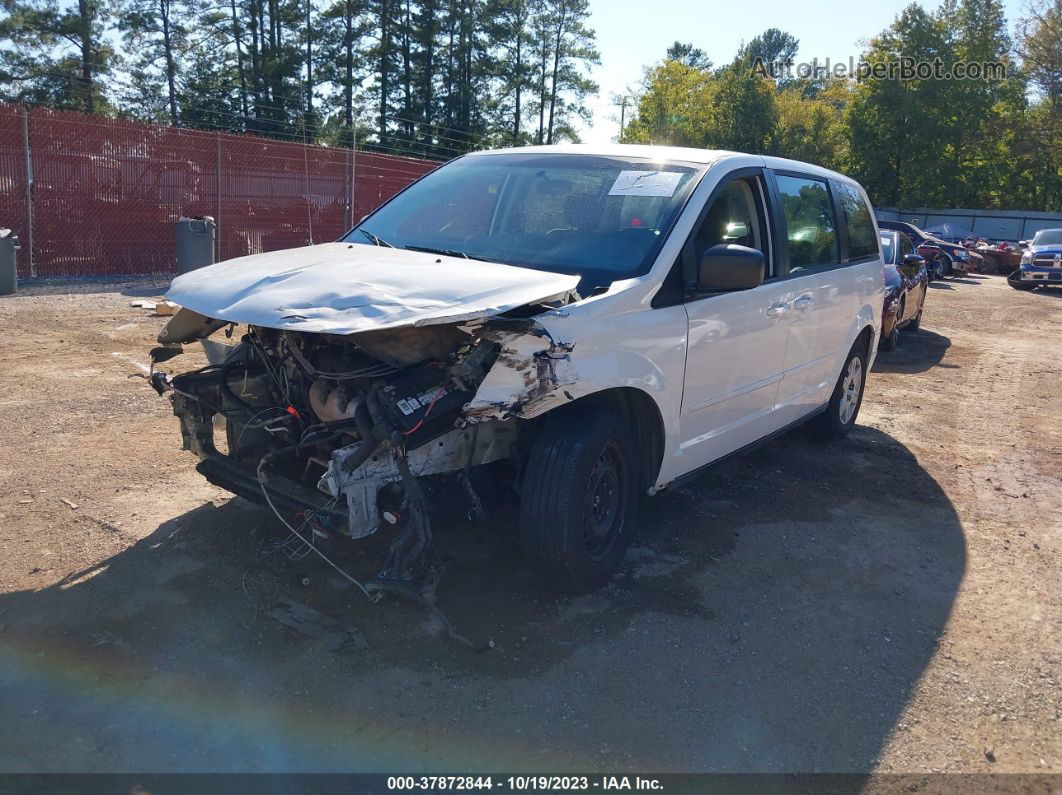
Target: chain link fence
[{"x": 96, "y": 196}]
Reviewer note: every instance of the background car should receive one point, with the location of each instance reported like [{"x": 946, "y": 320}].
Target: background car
[
  {"x": 1041, "y": 264},
  {"x": 906, "y": 284},
  {"x": 942, "y": 258}
]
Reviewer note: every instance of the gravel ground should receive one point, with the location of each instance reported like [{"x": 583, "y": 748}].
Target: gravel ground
[{"x": 887, "y": 603}]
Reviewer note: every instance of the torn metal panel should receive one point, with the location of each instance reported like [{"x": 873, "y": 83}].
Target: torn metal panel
[
  {"x": 188, "y": 325},
  {"x": 528, "y": 377},
  {"x": 451, "y": 452},
  {"x": 344, "y": 288}
]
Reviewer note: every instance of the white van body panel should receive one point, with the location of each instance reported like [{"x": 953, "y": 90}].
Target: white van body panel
[{"x": 722, "y": 372}]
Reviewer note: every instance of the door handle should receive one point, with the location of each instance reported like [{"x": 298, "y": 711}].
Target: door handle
[
  {"x": 778, "y": 309},
  {"x": 804, "y": 302}
]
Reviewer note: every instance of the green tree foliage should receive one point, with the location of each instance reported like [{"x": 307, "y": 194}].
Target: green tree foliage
[
  {"x": 155, "y": 34},
  {"x": 728, "y": 108},
  {"x": 1038, "y": 148},
  {"x": 430, "y": 77},
  {"x": 812, "y": 127},
  {"x": 896, "y": 127},
  {"x": 55, "y": 55},
  {"x": 921, "y": 140},
  {"x": 773, "y": 46},
  {"x": 689, "y": 55}
]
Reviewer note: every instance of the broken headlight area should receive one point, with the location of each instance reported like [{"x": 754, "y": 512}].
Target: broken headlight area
[{"x": 345, "y": 430}]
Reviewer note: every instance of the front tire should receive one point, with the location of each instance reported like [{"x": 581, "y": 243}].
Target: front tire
[
  {"x": 890, "y": 342},
  {"x": 1014, "y": 280},
  {"x": 841, "y": 412},
  {"x": 916, "y": 321},
  {"x": 579, "y": 498}
]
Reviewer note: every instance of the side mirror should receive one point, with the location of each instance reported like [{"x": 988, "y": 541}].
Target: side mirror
[
  {"x": 727, "y": 266},
  {"x": 914, "y": 260}
]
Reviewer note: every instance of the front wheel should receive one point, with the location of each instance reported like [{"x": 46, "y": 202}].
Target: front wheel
[
  {"x": 890, "y": 340},
  {"x": 579, "y": 498},
  {"x": 841, "y": 412},
  {"x": 1014, "y": 280},
  {"x": 916, "y": 321}
]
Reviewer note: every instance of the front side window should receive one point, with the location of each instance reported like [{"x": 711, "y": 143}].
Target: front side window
[
  {"x": 860, "y": 223},
  {"x": 810, "y": 225},
  {"x": 603, "y": 218},
  {"x": 735, "y": 216}
]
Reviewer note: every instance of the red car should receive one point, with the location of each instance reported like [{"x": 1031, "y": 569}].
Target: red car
[
  {"x": 906, "y": 284},
  {"x": 942, "y": 258}
]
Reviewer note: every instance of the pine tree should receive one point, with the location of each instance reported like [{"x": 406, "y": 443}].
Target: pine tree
[
  {"x": 156, "y": 31},
  {"x": 55, "y": 55}
]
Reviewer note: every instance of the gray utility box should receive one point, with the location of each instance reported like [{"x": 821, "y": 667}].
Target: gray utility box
[
  {"x": 8, "y": 262},
  {"x": 195, "y": 243}
]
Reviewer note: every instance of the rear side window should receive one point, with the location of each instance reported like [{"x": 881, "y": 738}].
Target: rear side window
[
  {"x": 810, "y": 224},
  {"x": 860, "y": 222}
]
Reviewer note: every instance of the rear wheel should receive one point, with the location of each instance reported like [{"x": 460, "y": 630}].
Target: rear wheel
[
  {"x": 579, "y": 498},
  {"x": 841, "y": 412}
]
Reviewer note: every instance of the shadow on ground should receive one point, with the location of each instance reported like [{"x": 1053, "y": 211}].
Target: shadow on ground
[
  {"x": 774, "y": 616},
  {"x": 1054, "y": 291},
  {"x": 132, "y": 286},
  {"x": 917, "y": 352}
]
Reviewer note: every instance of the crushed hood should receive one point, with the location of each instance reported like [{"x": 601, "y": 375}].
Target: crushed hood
[{"x": 343, "y": 288}]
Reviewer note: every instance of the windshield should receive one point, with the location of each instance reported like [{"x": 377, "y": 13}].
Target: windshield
[
  {"x": 603, "y": 218},
  {"x": 1048, "y": 237}
]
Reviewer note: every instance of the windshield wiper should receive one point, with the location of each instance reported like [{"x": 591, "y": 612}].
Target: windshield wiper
[
  {"x": 446, "y": 252},
  {"x": 449, "y": 252},
  {"x": 379, "y": 241}
]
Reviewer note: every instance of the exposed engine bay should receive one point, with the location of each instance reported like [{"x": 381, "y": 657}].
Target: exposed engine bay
[{"x": 340, "y": 434}]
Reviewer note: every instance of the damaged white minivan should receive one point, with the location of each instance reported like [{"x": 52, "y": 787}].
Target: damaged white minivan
[{"x": 586, "y": 324}]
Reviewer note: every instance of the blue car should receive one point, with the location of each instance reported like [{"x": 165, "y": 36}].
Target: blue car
[{"x": 1041, "y": 264}]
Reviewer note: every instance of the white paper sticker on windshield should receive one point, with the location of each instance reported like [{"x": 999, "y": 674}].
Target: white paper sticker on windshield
[{"x": 646, "y": 183}]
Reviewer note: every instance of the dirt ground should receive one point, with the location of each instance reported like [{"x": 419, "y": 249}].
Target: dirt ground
[{"x": 890, "y": 602}]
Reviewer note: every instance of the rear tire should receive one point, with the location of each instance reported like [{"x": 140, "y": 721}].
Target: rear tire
[
  {"x": 579, "y": 498},
  {"x": 841, "y": 412}
]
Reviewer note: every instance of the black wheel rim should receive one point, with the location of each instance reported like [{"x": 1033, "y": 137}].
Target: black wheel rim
[{"x": 605, "y": 503}]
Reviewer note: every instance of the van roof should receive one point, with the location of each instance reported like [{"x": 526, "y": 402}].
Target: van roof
[{"x": 654, "y": 152}]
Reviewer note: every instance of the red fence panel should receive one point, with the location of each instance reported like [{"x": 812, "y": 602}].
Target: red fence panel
[
  {"x": 13, "y": 181},
  {"x": 378, "y": 177},
  {"x": 107, "y": 192},
  {"x": 280, "y": 195}
]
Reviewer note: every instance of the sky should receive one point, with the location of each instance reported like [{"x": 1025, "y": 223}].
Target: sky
[{"x": 634, "y": 34}]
